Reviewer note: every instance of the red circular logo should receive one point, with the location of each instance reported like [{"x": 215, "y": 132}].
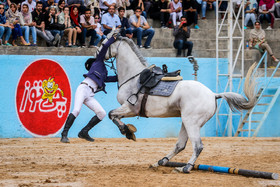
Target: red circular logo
[{"x": 43, "y": 98}]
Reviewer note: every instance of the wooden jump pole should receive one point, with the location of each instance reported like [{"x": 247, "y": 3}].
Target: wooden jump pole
[{"x": 243, "y": 172}]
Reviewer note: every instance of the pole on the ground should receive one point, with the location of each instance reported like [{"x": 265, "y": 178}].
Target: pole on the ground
[{"x": 243, "y": 172}]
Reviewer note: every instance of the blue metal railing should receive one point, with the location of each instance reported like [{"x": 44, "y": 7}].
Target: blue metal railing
[{"x": 264, "y": 87}]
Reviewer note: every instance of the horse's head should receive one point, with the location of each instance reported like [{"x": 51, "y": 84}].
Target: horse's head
[{"x": 112, "y": 51}]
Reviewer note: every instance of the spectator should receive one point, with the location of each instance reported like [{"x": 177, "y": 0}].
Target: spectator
[
  {"x": 99, "y": 34},
  {"x": 236, "y": 5},
  {"x": 141, "y": 28},
  {"x": 60, "y": 6},
  {"x": 31, "y": 5},
  {"x": 89, "y": 26},
  {"x": 160, "y": 11},
  {"x": 250, "y": 12},
  {"x": 13, "y": 17},
  {"x": 199, "y": 6},
  {"x": 129, "y": 10},
  {"x": 47, "y": 4},
  {"x": 110, "y": 20},
  {"x": 182, "y": 33},
  {"x": 190, "y": 12},
  {"x": 266, "y": 10},
  {"x": 147, "y": 6},
  {"x": 87, "y": 3},
  {"x": 6, "y": 4},
  {"x": 277, "y": 9},
  {"x": 64, "y": 19},
  {"x": 52, "y": 25},
  {"x": 18, "y": 3},
  {"x": 125, "y": 27},
  {"x": 75, "y": 21},
  {"x": 77, "y": 3},
  {"x": 139, "y": 3},
  {"x": 38, "y": 20},
  {"x": 207, "y": 5},
  {"x": 123, "y": 4},
  {"x": 257, "y": 40},
  {"x": 5, "y": 27},
  {"x": 176, "y": 11},
  {"x": 222, "y": 6},
  {"x": 105, "y": 5},
  {"x": 94, "y": 7},
  {"x": 27, "y": 25}
]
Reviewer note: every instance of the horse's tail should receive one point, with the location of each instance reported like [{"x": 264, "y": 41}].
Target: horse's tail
[{"x": 237, "y": 101}]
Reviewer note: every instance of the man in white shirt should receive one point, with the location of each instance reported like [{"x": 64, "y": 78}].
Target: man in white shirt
[
  {"x": 31, "y": 5},
  {"x": 89, "y": 26},
  {"x": 141, "y": 28},
  {"x": 105, "y": 4},
  {"x": 110, "y": 20}
]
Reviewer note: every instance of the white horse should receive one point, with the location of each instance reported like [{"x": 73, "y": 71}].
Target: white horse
[{"x": 191, "y": 100}]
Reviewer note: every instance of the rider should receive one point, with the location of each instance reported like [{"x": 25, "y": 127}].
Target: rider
[{"x": 94, "y": 81}]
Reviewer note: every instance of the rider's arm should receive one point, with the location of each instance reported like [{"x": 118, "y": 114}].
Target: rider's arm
[{"x": 104, "y": 49}]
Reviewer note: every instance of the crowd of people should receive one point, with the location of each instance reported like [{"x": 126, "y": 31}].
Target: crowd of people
[
  {"x": 51, "y": 20},
  {"x": 75, "y": 20}
]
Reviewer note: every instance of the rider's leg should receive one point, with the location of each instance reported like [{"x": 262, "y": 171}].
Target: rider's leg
[
  {"x": 80, "y": 96},
  {"x": 95, "y": 106}
]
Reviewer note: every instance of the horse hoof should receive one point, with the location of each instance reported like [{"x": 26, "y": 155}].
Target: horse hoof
[
  {"x": 163, "y": 161},
  {"x": 131, "y": 128},
  {"x": 130, "y": 136},
  {"x": 187, "y": 168},
  {"x": 133, "y": 137}
]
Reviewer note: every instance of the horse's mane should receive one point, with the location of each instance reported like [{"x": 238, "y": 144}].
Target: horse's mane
[{"x": 135, "y": 50}]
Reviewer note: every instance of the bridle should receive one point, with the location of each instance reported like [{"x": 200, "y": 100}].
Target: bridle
[
  {"x": 112, "y": 66},
  {"x": 110, "y": 61}
]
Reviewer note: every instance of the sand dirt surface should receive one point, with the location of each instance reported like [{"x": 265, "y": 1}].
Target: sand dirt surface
[{"x": 120, "y": 162}]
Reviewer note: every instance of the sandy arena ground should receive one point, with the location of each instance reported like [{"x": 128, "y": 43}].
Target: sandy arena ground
[{"x": 119, "y": 162}]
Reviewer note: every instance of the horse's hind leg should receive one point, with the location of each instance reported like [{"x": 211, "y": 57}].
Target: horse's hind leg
[
  {"x": 180, "y": 146},
  {"x": 193, "y": 130}
]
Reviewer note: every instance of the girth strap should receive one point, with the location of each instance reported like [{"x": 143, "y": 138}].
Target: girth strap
[{"x": 142, "y": 112}]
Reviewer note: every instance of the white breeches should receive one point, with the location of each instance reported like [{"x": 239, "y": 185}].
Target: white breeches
[
  {"x": 84, "y": 95},
  {"x": 175, "y": 16}
]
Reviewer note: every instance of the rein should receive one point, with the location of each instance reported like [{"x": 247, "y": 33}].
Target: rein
[{"x": 129, "y": 79}]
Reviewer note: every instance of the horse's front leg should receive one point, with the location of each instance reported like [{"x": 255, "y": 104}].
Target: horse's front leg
[
  {"x": 121, "y": 112},
  {"x": 180, "y": 146}
]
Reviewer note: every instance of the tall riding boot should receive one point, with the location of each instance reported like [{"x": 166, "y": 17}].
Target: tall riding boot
[
  {"x": 70, "y": 120},
  {"x": 84, "y": 132}
]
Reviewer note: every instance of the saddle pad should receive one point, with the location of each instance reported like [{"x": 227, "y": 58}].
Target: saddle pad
[{"x": 163, "y": 88}]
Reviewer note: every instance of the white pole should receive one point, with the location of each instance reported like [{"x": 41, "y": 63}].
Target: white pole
[{"x": 230, "y": 55}]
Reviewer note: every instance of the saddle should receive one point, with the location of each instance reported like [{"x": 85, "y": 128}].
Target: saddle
[{"x": 151, "y": 76}]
